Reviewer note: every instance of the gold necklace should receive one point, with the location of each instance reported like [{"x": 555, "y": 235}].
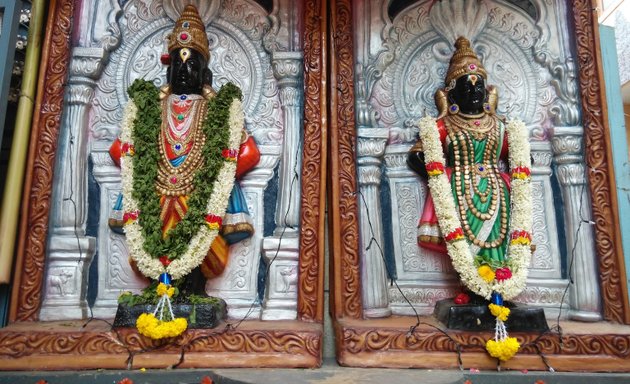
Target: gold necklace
[{"x": 178, "y": 180}]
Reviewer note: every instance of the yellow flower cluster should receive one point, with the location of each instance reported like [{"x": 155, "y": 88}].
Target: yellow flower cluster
[
  {"x": 163, "y": 289},
  {"x": 149, "y": 326},
  {"x": 486, "y": 273},
  {"x": 504, "y": 349},
  {"x": 520, "y": 241},
  {"x": 499, "y": 311}
]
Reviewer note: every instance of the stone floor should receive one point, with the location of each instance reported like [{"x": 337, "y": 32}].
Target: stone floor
[{"x": 329, "y": 373}]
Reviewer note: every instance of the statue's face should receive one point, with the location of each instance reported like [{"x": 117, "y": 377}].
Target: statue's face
[
  {"x": 469, "y": 93},
  {"x": 187, "y": 71}
]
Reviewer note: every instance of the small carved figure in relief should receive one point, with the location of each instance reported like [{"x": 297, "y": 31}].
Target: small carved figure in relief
[
  {"x": 180, "y": 150},
  {"x": 289, "y": 278},
  {"x": 59, "y": 281},
  {"x": 476, "y": 212}
]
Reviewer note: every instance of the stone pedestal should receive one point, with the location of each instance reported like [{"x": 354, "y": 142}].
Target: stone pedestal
[
  {"x": 65, "y": 287},
  {"x": 199, "y": 316},
  {"x": 476, "y": 316},
  {"x": 282, "y": 256}
]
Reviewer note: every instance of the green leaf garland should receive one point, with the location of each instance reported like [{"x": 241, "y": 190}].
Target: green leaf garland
[{"x": 145, "y": 134}]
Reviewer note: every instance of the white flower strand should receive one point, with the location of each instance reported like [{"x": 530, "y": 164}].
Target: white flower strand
[
  {"x": 217, "y": 203},
  {"x": 518, "y": 256}
]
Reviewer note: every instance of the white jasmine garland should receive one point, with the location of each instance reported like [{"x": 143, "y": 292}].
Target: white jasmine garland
[
  {"x": 217, "y": 204},
  {"x": 518, "y": 255}
]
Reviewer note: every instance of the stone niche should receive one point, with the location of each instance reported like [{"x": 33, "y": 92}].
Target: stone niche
[
  {"x": 122, "y": 41},
  {"x": 94, "y": 50},
  {"x": 402, "y": 54},
  {"x": 543, "y": 57}
]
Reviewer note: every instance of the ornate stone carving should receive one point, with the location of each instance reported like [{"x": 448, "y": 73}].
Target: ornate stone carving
[
  {"x": 370, "y": 149},
  {"x": 452, "y": 19},
  {"x": 281, "y": 295},
  {"x": 208, "y": 10},
  {"x": 69, "y": 209},
  {"x": 288, "y": 71},
  {"x": 64, "y": 293},
  {"x": 585, "y": 301},
  {"x": 422, "y": 298}
]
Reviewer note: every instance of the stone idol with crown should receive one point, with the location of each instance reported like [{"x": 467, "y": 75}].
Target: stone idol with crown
[
  {"x": 478, "y": 212},
  {"x": 181, "y": 151}
]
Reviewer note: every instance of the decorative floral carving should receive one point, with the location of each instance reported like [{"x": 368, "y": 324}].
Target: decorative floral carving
[
  {"x": 455, "y": 18},
  {"x": 345, "y": 238},
  {"x": 313, "y": 167},
  {"x": 207, "y": 9},
  {"x": 425, "y": 339},
  {"x": 32, "y": 242},
  {"x": 303, "y": 347},
  {"x": 542, "y": 258}
]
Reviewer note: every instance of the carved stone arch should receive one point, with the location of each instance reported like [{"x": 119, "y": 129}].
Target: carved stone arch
[
  {"x": 140, "y": 58},
  {"x": 419, "y": 47},
  {"x": 499, "y": 54}
]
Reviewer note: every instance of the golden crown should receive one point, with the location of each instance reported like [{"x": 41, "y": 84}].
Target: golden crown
[
  {"x": 464, "y": 62},
  {"x": 189, "y": 32}
]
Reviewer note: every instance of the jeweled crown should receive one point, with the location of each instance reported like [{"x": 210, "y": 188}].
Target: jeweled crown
[
  {"x": 189, "y": 32},
  {"x": 464, "y": 62}
]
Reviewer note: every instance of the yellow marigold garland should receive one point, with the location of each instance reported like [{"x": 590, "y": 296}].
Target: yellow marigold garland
[
  {"x": 486, "y": 273},
  {"x": 504, "y": 349},
  {"x": 149, "y": 326},
  {"x": 499, "y": 311},
  {"x": 156, "y": 328}
]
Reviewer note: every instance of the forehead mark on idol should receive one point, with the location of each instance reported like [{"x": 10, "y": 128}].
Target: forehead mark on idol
[{"x": 184, "y": 54}]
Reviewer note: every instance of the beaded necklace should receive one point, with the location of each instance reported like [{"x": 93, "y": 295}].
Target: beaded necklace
[{"x": 462, "y": 131}]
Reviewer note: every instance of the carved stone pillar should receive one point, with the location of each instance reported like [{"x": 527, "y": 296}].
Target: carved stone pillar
[
  {"x": 568, "y": 149},
  {"x": 284, "y": 244},
  {"x": 424, "y": 276},
  {"x": 114, "y": 272},
  {"x": 287, "y": 68},
  {"x": 370, "y": 150},
  {"x": 545, "y": 285},
  {"x": 238, "y": 284},
  {"x": 70, "y": 251}
]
